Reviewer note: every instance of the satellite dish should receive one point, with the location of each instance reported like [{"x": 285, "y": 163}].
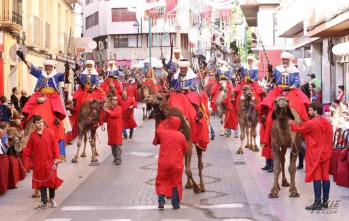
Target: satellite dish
[
  {"x": 13, "y": 50},
  {"x": 92, "y": 45}
]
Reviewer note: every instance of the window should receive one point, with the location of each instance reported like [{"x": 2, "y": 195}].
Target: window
[
  {"x": 47, "y": 35},
  {"x": 162, "y": 39},
  {"x": 17, "y": 12},
  {"x": 92, "y": 20},
  {"x": 122, "y": 14},
  {"x": 88, "y": 2},
  {"x": 184, "y": 41},
  {"x": 34, "y": 29},
  {"x": 127, "y": 41}
]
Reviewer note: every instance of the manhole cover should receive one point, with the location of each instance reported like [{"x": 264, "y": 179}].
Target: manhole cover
[{"x": 240, "y": 163}]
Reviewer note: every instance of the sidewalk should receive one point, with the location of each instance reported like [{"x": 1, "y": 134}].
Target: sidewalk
[{"x": 17, "y": 204}]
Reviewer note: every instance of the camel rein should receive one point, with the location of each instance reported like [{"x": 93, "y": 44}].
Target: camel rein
[{"x": 54, "y": 167}]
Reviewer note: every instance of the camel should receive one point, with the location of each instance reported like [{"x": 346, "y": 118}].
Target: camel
[
  {"x": 281, "y": 139},
  {"x": 88, "y": 120},
  {"x": 248, "y": 119},
  {"x": 145, "y": 91},
  {"x": 159, "y": 111},
  {"x": 220, "y": 103}
]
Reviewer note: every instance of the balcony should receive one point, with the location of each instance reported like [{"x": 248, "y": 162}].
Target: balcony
[
  {"x": 11, "y": 21},
  {"x": 250, "y": 9}
]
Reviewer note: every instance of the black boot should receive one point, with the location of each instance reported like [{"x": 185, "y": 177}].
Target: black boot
[
  {"x": 315, "y": 206},
  {"x": 267, "y": 165},
  {"x": 326, "y": 193},
  {"x": 271, "y": 169}
]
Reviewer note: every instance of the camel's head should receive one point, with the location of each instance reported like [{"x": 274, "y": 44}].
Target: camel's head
[
  {"x": 282, "y": 108},
  {"x": 247, "y": 90},
  {"x": 14, "y": 138},
  {"x": 157, "y": 104},
  {"x": 223, "y": 85}
]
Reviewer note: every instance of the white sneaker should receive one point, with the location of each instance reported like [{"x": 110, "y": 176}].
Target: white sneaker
[
  {"x": 42, "y": 206},
  {"x": 53, "y": 203}
]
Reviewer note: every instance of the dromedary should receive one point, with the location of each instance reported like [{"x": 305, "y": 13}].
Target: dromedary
[
  {"x": 281, "y": 139},
  {"x": 248, "y": 119},
  {"x": 88, "y": 121}
]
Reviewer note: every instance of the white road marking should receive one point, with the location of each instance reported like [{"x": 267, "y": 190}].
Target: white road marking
[
  {"x": 176, "y": 220},
  {"x": 116, "y": 219},
  {"x": 141, "y": 154},
  {"x": 58, "y": 219},
  {"x": 147, "y": 207}
]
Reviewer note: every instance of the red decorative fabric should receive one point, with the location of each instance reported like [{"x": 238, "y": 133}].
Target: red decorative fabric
[
  {"x": 13, "y": 175},
  {"x": 4, "y": 171}
]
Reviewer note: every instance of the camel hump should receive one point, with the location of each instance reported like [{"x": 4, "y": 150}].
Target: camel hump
[{"x": 297, "y": 117}]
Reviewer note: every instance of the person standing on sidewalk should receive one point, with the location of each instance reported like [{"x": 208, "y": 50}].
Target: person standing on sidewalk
[
  {"x": 43, "y": 148},
  {"x": 170, "y": 163},
  {"x": 114, "y": 127},
  {"x": 318, "y": 136},
  {"x": 127, "y": 104}
]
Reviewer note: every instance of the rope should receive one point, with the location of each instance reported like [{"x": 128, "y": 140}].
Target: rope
[
  {"x": 54, "y": 167},
  {"x": 293, "y": 142}
]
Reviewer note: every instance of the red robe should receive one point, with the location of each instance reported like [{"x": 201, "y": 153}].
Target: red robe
[
  {"x": 214, "y": 93},
  {"x": 318, "y": 135},
  {"x": 151, "y": 84},
  {"x": 108, "y": 81},
  {"x": 170, "y": 162},
  {"x": 231, "y": 120},
  {"x": 114, "y": 125},
  {"x": 44, "y": 149},
  {"x": 128, "y": 119},
  {"x": 132, "y": 92}
]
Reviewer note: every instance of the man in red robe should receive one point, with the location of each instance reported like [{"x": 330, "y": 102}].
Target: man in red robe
[
  {"x": 131, "y": 90},
  {"x": 318, "y": 135},
  {"x": 114, "y": 127},
  {"x": 43, "y": 148},
  {"x": 170, "y": 163},
  {"x": 127, "y": 104}
]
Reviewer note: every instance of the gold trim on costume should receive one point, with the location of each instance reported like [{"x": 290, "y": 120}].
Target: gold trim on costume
[{"x": 48, "y": 90}]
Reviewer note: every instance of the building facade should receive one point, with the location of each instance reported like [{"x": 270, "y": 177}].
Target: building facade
[
  {"x": 321, "y": 29},
  {"x": 43, "y": 27}
]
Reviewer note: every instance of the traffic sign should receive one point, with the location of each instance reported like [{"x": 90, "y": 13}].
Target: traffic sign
[{"x": 13, "y": 50}]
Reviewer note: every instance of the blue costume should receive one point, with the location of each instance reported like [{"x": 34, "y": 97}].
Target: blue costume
[
  {"x": 292, "y": 79},
  {"x": 251, "y": 72},
  {"x": 114, "y": 73},
  {"x": 45, "y": 80}
]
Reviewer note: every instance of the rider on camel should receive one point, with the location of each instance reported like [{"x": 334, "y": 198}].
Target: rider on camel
[
  {"x": 47, "y": 85},
  {"x": 286, "y": 78},
  {"x": 172, "y": 65},
  {"x": 112, "y": 79},
  {"x": 249, "y": 74},
  {"x": 147, "y": 71},
  {"x": 89, "y": 80},
  {"x": 149, "y": 81},
  {"x": 185, "y": 81}
]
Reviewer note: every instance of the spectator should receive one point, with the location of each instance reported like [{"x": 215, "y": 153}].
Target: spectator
[
  {"x": 317, "y": 95},
  {"x": 5, "y": 110},
  {"x": 128, "y": 104},
  {"x": 5, "y": 145},
  {"x": 24, "y": 98},
  {"x": 14, "y": 99},
  {"x": 340, "y": 94},
  {"x": 315, "y": 81},
  {"x": 2, "y": 150},
  {"x": 318, "y": 136},
  {"x": 43, "y": 147}
]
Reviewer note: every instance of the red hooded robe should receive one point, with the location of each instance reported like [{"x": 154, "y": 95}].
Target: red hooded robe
[
  {"x": 170, "y": 163},
  {"x": 114, "y": 125},
  {"x": 128, "y": 119}
]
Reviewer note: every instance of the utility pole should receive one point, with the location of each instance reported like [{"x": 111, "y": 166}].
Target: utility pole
[{"x": 149, "y": 40}]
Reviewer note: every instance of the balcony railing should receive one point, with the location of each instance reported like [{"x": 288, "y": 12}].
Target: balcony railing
[{"x": 17, "y": 18}]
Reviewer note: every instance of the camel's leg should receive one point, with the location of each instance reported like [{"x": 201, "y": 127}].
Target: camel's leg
[
  {"x": 200, "y": 167},
  {"x": 242, "y": 137},
  {"x": 76, "y": 157},
  {"x": 83, "y": 154},
  {"x": 190, "y": 180},
  {"x": 283, "y": 161},
  {"x": 274, "y": 192},
  {"x": 96, "y": 152},
  {"x": 93, "y": 145},
  {"x": 144, "y": 113},
  {"x": 292, "y": 170},
  {"x": 254, "y": 138},
  {"x": 248, "y": 138}
]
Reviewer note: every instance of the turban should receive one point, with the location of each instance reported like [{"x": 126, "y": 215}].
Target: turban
[
  {"x": 49, "y": 62},
  {"x": 183, "y": 63},
  {"x": 177, "y": 50},
  {"x": 224, "y": 68},
  {"x": 90, "y": 62},
  {"x": 251, "y": 57},
  {"x": 287, "y": 55},
  {"x": 111, "y": 62}
]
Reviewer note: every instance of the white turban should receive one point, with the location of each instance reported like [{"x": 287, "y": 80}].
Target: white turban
[
  {"x": 251, "y": 57},
  {"x": 177, "y": 50},
  {"x": 224, "y": 69},
  {"x": 90, "y": 62},
  {"x": 183, "y": 64},
  {"x": 49, "y": 62},
  {"x": 111, "y": 62},
  {"x": 287, "y": 55}
]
